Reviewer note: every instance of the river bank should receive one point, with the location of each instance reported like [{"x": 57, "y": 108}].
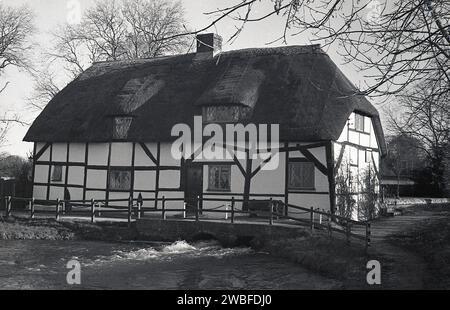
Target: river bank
[
  {"x": 15, "y": 228},
  {"x": 430, "y": 240},
  {"x": 329, "y": 258},
  {"x": 414, "y": 249},
  {"x": 202, "y": 265}
]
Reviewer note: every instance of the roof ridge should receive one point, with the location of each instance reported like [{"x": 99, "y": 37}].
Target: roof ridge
[
  {"x": 315, "y": 48},
  {"x": 136, "y": 60},
  {"x": 279, "y": 50}
]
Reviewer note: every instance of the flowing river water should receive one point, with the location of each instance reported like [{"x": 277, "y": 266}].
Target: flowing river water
[{"x": 200, "y": 265}]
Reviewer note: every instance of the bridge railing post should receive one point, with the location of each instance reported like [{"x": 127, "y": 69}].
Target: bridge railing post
[
  {"x": 368, "y": 235},
  {"x": 164, "y": 216},
  {"x": 232, "y": 210},
  {"x": 185, "y": 210},
  {"x": 31, "y": 205},
  {"x": 329, "y": 223},
  {"x": 92, "y": 211},
  {"x": 140, "y": 204},
  {"x": 8, "y": 202},
  {"x": 98, "y": 209},
  {"x": 312, "y": 218},
  {"x": 130, "y": 209},
  {"x": 58, "y": 203},
  {"x": 197, "y": 210},
  {"x": 271, "y": 212},
  {"x": 139, "y": 210}
]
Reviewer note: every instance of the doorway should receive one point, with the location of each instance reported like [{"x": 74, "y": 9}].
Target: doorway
[{"x": 193, "y": 187}]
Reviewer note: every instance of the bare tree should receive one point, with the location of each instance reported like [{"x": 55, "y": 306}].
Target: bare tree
[
  {"x": 151, "y": 25},
  {"x": 447, "y": 170},
  {"x": 16, "y": 28},
  {"x": 406, "y": 156},
  {"x": 45, "y": 88},
  {"x": 425, "y": 116},
  {"x": 397, "y": 43},
  {"x": 125, "y": 29},
  {"x": 73, "y": 50}
]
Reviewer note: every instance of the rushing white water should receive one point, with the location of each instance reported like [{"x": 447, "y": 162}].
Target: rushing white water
[
  {"x": 170, "y": 252},
  {"x": 180, "y": 265}
]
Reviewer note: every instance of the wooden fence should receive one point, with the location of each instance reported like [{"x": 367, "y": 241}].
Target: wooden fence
[{"x": 277, "y": 213}]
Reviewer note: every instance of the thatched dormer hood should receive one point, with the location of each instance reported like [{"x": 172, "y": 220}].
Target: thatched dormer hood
[{"x": 298, "y": 87}]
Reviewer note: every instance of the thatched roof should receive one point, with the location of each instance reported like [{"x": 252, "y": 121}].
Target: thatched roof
[{"x": 298, "y": 87}]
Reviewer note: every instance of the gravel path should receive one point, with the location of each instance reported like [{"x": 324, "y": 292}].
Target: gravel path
[{"x": 401, "y": 269}]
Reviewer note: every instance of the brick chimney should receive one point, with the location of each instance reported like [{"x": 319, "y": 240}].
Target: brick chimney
[{"x": 208, "y": 45}]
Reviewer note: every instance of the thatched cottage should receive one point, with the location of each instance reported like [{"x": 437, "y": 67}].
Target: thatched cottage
[{"x": 108, "y": 134}]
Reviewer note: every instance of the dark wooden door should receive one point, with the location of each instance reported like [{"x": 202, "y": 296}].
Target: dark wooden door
[{"x": 194, "y": 185}]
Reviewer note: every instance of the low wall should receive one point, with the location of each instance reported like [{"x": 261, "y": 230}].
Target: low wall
[
  {"x": 415, "y": 201},
  {"x": 255, "y": 235}
]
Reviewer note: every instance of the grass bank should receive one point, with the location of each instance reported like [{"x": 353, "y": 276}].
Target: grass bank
[
  {"x": 430, "y": 239},
  {"x": 15, "y": 228},
  {"x": 329, "y": 257}
]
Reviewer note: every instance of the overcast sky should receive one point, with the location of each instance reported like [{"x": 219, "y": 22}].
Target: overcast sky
[{"x": 51, "y": 13}]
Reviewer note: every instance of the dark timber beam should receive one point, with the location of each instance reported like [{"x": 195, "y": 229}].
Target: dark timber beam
[
  {"x": 49, "y": 171},
  {"x": 375, "y": 168},
  {"x": 133, "y": 170},
  {"x": 86, "y": 161},
  {"x": 66, "y": 177},
  {"x": 238, "y": 164},
  {"x": 331, "y": 176},
  {"x": 359, "y": 147},
  {"x": 158, "y": 173},
  {"x": 33, "y": 172},
  {"x": 108, "y": 175},
  {"x": 148, "y": 153},
  {"x": 257, "y": 170},
  {"x": 312, "y": 158},
  {"x": 42, "y": 151},
  {"x": 339, "y": 161},
  {"x": 248, "y": 180},
  {"x": 286, "y": 179},
  {"x": 288, "y": 148}
]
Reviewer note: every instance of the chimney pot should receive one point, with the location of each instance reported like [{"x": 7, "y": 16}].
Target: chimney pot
[{"x": 209, "y": 44}]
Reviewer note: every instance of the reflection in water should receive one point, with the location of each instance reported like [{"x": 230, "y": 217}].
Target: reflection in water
[{"x": 202, "y": 265}]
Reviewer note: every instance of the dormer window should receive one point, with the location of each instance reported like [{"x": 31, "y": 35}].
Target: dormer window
[
  {"x": 122, "y": 125},
  {"x": 359, "y": 122},
  {"x": 226, "y": 114}
]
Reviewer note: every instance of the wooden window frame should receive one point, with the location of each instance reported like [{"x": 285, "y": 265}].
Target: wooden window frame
[
  {"x": 60, "y": 174},
  {"x": 121, "y": 123},
  {"x": 241, "y": 114},
  {"x": 361, "y": 117},
  {"x": 120, "y": 170},
  {"x": 293, "y": 161},
  {"x": 213, "y": 188}
]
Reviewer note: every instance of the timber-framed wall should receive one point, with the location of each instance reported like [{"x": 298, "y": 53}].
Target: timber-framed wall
[{"x": 87, "y": 168}]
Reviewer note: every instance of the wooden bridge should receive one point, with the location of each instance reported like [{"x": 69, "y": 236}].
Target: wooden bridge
[{"x": 275, "y": 213}]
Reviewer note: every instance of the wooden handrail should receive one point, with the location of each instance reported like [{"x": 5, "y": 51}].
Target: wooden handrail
[
  {"x": 318, "y": 212},
  {"x": 345, "y": 224}
]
